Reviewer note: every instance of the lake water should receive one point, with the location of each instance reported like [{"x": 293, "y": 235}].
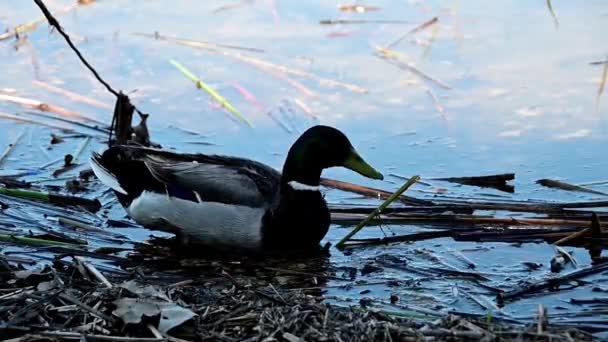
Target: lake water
[{"x": 510, "y": 88}]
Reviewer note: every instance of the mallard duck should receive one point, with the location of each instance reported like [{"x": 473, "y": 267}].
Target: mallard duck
[{"x": 227, "y": 202}]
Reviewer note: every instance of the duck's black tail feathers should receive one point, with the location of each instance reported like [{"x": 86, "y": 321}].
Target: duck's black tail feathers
[
  {"x": 126, "y": 175},
  {"x": 104, "y": 175}
]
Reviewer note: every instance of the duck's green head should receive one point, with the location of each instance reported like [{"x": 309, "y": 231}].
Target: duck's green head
[{"x": 322, "y": 147}]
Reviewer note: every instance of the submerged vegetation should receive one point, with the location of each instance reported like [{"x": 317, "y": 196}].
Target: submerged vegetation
[{"x": 75, "y": 267}]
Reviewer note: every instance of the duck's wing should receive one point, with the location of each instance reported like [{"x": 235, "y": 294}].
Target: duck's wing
[
  {"x": 239, "y": 182},
  {"x": 131, "y": 170}
]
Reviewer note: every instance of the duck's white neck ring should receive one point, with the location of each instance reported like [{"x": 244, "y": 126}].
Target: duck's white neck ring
[{"x": 302, "y": 187}]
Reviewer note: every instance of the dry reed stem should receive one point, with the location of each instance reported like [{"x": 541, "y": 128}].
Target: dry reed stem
[
  {"x": 600, "y": 90},
  {"x": 94, "y": 271},
  {"x": 416, "y": 29},
  {"x": 396, "y": 57},
  {"x": 20, "y": 29},
  {"x": 45, "y": 107},
  {"x": 10, "y": 147},
  {"x": 262, "y": 63},
  {"x": 573, "y": 236},
  {"x": 73, "y": 96}
]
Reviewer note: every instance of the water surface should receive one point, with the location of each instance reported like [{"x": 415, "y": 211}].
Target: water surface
[{"x": 523, "y": 98}]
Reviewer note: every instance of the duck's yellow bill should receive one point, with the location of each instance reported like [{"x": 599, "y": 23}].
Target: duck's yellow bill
[{"x": 356, "y": 163}]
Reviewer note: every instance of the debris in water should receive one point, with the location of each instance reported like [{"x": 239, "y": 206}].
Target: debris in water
[
  {"x": 498, "y": 182},
  {"x": 550, "y": 183},
  {"x": 358, "y": 8},
  {"x": 362, "y": 21},
  {"x": 55, "y": 139}
]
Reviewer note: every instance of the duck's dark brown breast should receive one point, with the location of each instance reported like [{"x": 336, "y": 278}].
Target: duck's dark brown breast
[{"x": 300, "y": 221}]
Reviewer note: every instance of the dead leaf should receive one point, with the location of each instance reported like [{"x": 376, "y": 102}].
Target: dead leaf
[
  {"x": 147, "y": 291},
  {"x": 132, "y": 310},
  {"x": 173, "y": 316}
]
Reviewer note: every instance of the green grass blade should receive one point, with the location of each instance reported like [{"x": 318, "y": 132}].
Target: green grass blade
[
  {"x": 550, "y": 7},
  {"x": 24, "y": 240},
  {"x": 378, "y": 210},
  {"x": 28, "y": 194},
  {"x": 211, "y": 92}
]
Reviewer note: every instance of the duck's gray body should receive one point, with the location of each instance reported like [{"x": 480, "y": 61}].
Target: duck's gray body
[{"x": 204, "y": 200}]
